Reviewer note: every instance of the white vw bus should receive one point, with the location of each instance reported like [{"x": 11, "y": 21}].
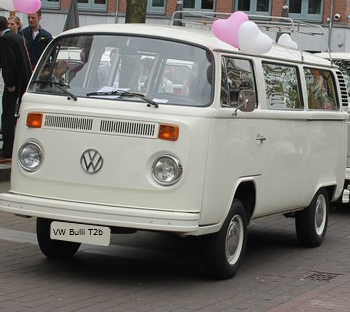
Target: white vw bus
[{"x": 103, "y": 146}]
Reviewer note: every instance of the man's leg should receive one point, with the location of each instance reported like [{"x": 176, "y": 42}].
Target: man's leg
[{"x": 8, "y": 122}]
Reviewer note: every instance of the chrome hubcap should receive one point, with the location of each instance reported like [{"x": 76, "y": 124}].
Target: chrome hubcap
[
  {"x": 320, "y": 214},
  {"x": 234, "y": 239}
]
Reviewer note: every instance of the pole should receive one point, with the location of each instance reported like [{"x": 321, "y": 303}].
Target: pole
[
  {"x": 179, "y": 15},
  {"x": 330, "y": 27},
  {"x": 284, "y": 13}
]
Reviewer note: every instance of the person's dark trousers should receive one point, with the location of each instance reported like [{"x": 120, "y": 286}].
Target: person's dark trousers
[{"x": 8, "y": 121}]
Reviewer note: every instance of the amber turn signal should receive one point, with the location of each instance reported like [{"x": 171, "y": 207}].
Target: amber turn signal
[
  {"x": 168, "y": 132},
  {"x": 34, "y": 120}
]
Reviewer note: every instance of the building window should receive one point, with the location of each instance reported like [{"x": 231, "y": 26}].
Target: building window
[
  {"x": 308, "y": 10},
  {"x": 156, "y": 6},
  {"x": 199, "y": 5},
  {"x": 259, "y": 7},
  {"x": 93, "y": 5},
  {"x": 50, "y": 4}
]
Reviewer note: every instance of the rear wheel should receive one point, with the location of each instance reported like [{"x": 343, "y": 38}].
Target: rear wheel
[
  {"x": 311, "y": 223},
  {"x": 225, "y": 249},
  {"x": 51, "y": 248}
]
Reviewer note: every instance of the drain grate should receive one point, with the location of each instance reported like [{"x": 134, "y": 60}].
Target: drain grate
[{"x": 318, "y": 276}]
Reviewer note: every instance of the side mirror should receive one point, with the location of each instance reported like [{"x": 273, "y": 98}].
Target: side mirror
[{"x": 246, "y": 101}]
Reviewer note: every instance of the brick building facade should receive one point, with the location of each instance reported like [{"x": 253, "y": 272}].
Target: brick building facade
[{"x": 159, "y": 11}]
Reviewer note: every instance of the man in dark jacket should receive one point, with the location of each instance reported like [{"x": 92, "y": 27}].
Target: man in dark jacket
[
  {"x": 16, "y": 72},
  {"x": 37, "y": 38}
]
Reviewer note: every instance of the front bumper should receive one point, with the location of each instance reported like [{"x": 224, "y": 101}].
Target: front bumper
[{"x": 112, "y": 216}]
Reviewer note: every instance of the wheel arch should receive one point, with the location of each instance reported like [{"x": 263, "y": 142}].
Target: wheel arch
[
  {"x": 330, "y": 192},
  {"x": 330, "y": 189},
  {"x": 246, "y": 193}
]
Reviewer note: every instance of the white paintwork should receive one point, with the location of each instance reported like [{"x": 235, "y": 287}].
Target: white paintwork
[
  {"x": 342, "y": 56},
  {"x": 303, "y": 152}
]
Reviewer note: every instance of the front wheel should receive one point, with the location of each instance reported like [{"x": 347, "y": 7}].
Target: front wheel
[
  {"x": 311, "y": 223},
  {"x": 225, "y": 249},
  {"x": 51, "y": 248}
]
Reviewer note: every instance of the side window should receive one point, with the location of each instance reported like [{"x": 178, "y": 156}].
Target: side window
[
  {"x": 177, "y": 72},
  {"x": 108, "y": 72},
  {"x": 236, "y": 75},
  {"x": 282, "y": 86},
  {"x": 165, "y": 80},
  {"x": 320, "y": 89}
]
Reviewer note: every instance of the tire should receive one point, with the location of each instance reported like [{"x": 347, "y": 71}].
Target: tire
[
  {"x": 225, "y": 249},
  {"x": 52, "y": 248},
  {"x": 311, "y": 223}
]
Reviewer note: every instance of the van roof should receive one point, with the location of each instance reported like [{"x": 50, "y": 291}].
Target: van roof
[
  {"x": 203, "y": 37},
  {"x": 335, "y": 55},
  {"x": 195, "y": 35}
]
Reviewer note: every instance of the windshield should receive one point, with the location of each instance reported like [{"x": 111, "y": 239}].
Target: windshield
[{"x": 160, "y": 71}]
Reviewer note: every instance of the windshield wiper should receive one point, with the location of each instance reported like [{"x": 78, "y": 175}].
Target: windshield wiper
[
  {"x": 58, "y": 85},
  {"x": 122, "y": 94}
]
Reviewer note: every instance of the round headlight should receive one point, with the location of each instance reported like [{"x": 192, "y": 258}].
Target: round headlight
[
  {"x": 30, "y": 156},
  {"x": 166, "y": 170}
]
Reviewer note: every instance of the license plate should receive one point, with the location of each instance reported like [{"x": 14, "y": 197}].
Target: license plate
[{"x": 80, "y": 233}]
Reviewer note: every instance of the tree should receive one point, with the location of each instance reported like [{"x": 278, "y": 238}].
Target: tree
[{"x": 136, "y": 11}]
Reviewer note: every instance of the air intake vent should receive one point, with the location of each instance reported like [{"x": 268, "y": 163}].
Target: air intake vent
[
  {"x": 102, "y": 126},
  {"x": 344, "y": 93},
  {"x": 68, "y": 122},
  {"x": 129, "y": 128}
]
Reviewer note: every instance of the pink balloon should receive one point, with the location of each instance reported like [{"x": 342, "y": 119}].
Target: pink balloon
[
  {"x": 27, "y": 6},
  {"x": 227, "y": 29}
]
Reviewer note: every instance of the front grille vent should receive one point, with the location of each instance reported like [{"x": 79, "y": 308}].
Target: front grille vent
[
  {"x": 68, "y": 122},
  {"x": 129, "y": 128},
  {"x": 102, "y": 126}
]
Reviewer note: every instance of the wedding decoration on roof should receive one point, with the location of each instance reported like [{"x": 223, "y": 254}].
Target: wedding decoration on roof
[
  {"x": 286, "y": 40},
  {"x": 241, "y": 33}
]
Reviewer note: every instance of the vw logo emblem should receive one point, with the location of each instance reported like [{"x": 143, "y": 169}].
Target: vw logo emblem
[{"x": 91, "y": 161}]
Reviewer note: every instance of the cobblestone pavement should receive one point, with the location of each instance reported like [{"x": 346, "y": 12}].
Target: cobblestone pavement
[{"x": 160, "y": 273}]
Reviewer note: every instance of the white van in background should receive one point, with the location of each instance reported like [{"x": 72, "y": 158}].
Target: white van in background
[
  {"x": 342, "y": 60},
  {"x": 245, "y": 136}
]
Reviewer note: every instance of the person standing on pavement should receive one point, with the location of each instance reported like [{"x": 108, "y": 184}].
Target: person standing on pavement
[
  {"x": 15, "y": 23},
  {"x": 37, "y": 38},
  {"x": 16, "y": 72}
]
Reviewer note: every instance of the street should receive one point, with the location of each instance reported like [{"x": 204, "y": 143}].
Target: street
[{"x": 159, "y": 272}]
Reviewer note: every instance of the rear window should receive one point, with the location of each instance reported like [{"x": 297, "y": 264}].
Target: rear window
[{"x": 320, "y": 89}]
